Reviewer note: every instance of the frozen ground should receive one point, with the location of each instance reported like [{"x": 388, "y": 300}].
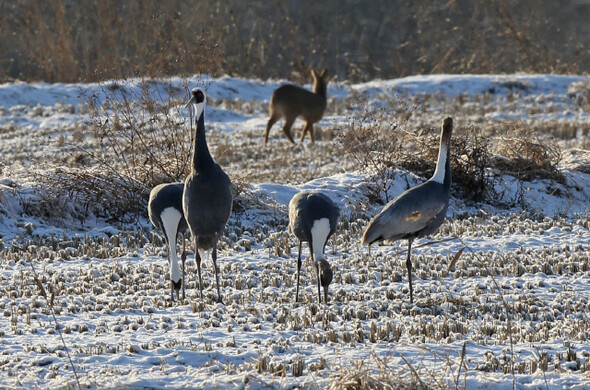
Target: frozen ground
[{"x": 518, "y": 296}]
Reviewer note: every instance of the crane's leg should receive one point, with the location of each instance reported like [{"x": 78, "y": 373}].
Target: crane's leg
[
  {"x": 170, "y": 264},
  {"x": 409, "y": 267},
  {"x": 198, "y": 260},
  {"x": 172, "y": 257},
  {"x": 171, "y": 283},
  {"x": 183, "y": 257},
  {"x": 214, "y": 258},
  {"x": 171, "y": 291},
  {"x": 298, "y": 270}
]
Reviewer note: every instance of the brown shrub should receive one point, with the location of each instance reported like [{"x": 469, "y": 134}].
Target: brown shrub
[
  {"x": 527, "y": 157},
  {"x": 140, "y": 142},
  {"x": 378, "y": 145},
  {"x": 373, "y": 141}
]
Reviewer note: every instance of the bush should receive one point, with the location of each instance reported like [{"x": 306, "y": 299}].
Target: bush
[
  {"x": 141, "y": 140},
  {"x": 527, "y": 157},
  {"x": 373, "y": 142},
  {"x": 471, "y": 162},
  {"x": 379, "y": 143}
]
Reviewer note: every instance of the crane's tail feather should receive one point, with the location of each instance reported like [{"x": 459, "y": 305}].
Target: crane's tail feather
[{"x": 372, "y": 233}]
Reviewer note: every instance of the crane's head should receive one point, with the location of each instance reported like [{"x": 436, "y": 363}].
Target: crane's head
[
  {"x": 326, "y": 275},
  {"x": 198, "y": 101},
  {"x": 176, "y": 286},
  {"x": 447, "y": 130}
]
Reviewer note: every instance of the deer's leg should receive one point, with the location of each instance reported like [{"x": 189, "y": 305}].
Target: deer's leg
[
  {"x": 273, "y": 119},
  {"x": 287, "y": 128},
  {"x": 305, "y": 130}
]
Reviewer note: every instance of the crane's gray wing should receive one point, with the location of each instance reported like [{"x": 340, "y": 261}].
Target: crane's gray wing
[
  {"x": 406, "y": 215},
  {"x": 296, "y": 216}
]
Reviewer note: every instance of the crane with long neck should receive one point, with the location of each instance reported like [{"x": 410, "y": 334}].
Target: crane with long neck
[{"x": 207, "y": 197}]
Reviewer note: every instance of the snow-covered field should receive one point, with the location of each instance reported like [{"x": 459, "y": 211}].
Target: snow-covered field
[{"x": 514, "y": 309}]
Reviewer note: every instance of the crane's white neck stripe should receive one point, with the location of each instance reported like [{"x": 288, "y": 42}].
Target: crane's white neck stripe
[
  {"x": 199, "y": 108},
  {"x": 439, "y": 173},
  {"x": 319, "y": 235},
  {"x": 170, "y": 217},
  {"x": 175, "y": 272}
]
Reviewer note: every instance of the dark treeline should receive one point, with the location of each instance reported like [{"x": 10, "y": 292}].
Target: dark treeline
[{"x": 90, "y": 40}]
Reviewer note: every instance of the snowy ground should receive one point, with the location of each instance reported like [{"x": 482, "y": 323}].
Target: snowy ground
[{"x": 518, "y": 296}]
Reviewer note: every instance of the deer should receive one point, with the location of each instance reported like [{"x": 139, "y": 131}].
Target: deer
[{"x": 292, "y": 102}]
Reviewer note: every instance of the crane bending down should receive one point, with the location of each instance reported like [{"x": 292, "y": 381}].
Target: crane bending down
[
  {"x": 207, "y": 198},
  {"x": 420, "y": 210},
  {"x": 313, "y": 218},
  {"x": 165, "y": 212}
]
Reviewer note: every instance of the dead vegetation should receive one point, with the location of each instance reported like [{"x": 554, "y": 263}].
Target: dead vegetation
[
  {"x": 139, "y": 135},
  {"x": 87, "y": 41},
  {"x": 379, "y": 143},
  {"x": 391, "y": 344},
  {"x": 525, "y": 156},
  {"x": 139, "y": 140}
]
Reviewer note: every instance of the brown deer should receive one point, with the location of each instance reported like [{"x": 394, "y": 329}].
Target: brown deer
[{"x": 290, "y": 101}]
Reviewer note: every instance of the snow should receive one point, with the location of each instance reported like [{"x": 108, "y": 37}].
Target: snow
[
  {"x": 469, "y": 84},
  {"x": 110, "y": 284}
]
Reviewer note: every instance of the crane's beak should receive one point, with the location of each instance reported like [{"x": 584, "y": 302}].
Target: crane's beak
[{"x": 190, "y": 101}]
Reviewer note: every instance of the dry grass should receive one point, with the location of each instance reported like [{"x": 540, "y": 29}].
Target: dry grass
[
  {"x": 525, "y": 156},
  {"x": 95, "y": 299},
  {"x": 136, "y": 139},
  {"x": 87, "y": 40},
  {"x": 388, "y": 373},
  {"x": 139, "y": 141},
  {"x": 381, "y": 143}
]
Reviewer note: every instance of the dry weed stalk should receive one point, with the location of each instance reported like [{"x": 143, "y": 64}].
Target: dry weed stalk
[
  {"x": 507, "y": 308},
  {"x": 49, "y": 302}
]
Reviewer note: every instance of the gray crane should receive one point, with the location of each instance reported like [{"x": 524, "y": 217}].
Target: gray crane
[
  {"x": 420, "y": 210},
  {"x": 313, "y": 218},
  {"x": 207, "y": 197},
  {"x": 165, "y": 212}
]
